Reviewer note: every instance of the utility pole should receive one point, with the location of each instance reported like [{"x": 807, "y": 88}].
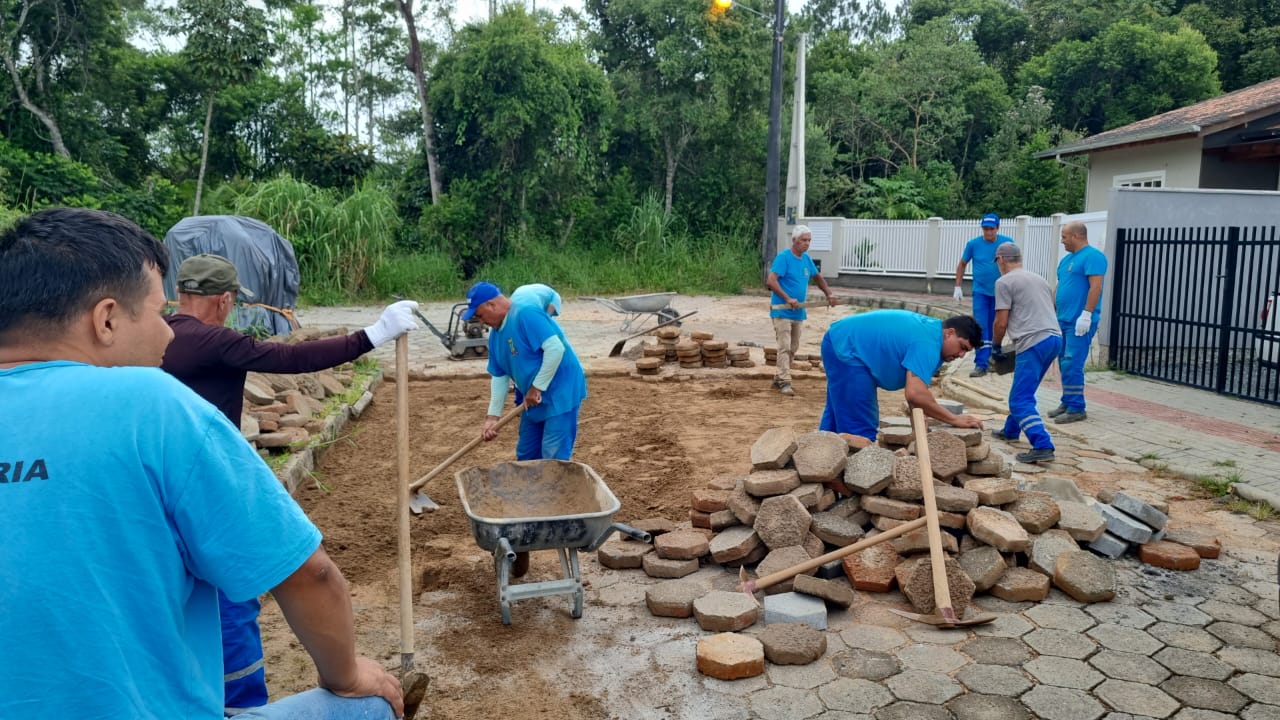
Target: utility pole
[{"x": 769, "y": 241}]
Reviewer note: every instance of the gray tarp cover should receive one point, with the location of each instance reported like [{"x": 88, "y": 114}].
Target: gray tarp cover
[{"x": 263, "y": 259}]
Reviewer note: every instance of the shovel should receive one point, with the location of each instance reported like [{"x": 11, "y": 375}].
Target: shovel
[
  {"x": 944, "y": 615},
  {"x": 617, "y": 347},
  {"x": 420, "y": 501}
]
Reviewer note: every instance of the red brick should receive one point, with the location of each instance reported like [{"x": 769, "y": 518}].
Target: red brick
[{"x": 1169, "y": 555}]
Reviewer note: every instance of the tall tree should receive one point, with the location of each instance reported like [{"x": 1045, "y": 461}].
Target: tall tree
[
  {"x": 416, "y": 65},
  {"x": 226, "y": 46}
]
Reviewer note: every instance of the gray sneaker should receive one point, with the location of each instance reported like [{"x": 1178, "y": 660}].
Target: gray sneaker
[
  {"x": 1057, "y": 411},
  {"x": 1070, "y": 417},
  {"x": 1035, "y": 455},
  {"x": 785, "y": 389},
  {"x": 999, "y": 435},
  {"x": 978, "y": 372}
]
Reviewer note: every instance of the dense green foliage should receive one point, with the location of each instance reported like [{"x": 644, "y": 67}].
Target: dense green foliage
[{"x": 614, "y": 149}]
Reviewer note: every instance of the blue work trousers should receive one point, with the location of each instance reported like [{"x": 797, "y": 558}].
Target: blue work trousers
[
  {"x": 1028, "y": 370},
  {"x": 852, "y": 406},
  {"x": 1075, "y": 353},
  {"x": 319, "y": 704},
  {"x": 244, "y": 679},
  {"x": 549, "y": 439},
  {"x": 984, "y": 310}
]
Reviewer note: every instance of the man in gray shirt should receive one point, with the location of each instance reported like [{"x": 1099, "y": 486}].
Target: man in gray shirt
[{"x": 1024, "y": 310}]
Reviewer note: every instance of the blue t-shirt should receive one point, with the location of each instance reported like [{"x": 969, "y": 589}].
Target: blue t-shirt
[
  {"x": 793, "y": 277},
  {"x": 983, "y": 256},
  {"x": 889, "y": 343},
  {"x": 1073, "y": 282},
  {"x": 125, "y": 499},
  {"x": 515, "y": 351},
  {"x": 538, "y": 295}
]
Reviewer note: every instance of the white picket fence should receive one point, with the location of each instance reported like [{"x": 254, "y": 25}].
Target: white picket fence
[{"x": 931, "y": 248}]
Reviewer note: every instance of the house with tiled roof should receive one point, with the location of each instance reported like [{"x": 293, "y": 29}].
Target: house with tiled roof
[{"x": 1229, "y": 142}]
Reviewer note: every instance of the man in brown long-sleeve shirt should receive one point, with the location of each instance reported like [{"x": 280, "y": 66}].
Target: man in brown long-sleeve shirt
[{"x": 213, "y": 360}]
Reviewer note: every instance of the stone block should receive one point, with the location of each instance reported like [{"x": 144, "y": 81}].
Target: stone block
[
  {"x": 1046, "y": 548},
  {"x": 831, "y": 570},
  {"x": 895, "y": 436},
  {"x": 766, "y": 483},
  {"x": 1021, "y": 585},
  {"x": 1081, "y": 521},
  {"x": 882, "y": 523},
  {"x": 709, "y": 501},
  {"x": 998, "y": 529},
  {"x": 836, "y": 593},
  {"x": 1123, "y": 525},
  {"x": 955, "y": 521},
  {"x": 915, "y": 578},
  {"x": 888, "y": 507},
  {"x": 1140, "y": 510},
  {"x": 700, "y": 519},
  {"x": 809, "y": 495},
  {"x": 994, "y": 464},
  {"x": 725, "y": 611},
  {"x": 729, "y": 656},
  {"x": 782, "y": 521},
  {"x": 872, "y": 569},
  {"x": 971, "y": 437},
  {"x": 947, "y": 455},
  {"x": 722, "y": 520},
  {"x": 974, "y": 453},
  {"x": 814, "y": 545},
  {"x": 917, "y": 541},
  {"x": 622, "y": 554},
  {"x": 905, "y": 484},
  {"x": 993, "y": 490},
  {"x": 950, "y": 498},
  {"x": 984, "y": 565},
  {"x": 673, "y": 598},
  {"x": 654, "y": 526},
  {"x": 658, "y": 567},
  {"x": 773, "y": 449},
  {"x": 820, "y": 456},
  {"x": 1084, "y": 576},
  {"x": 792, "y": 643},
  {"x": 681, "y": 545},
  {"x": 743, "y": 505},
  {"x": 1170, "y": 556},
  {"x": 1035, "y": 511},
  {"x": 1206, "y": 546},
  {"x": 793, "y": 607},
  {"x": 835, "y": 529},
  {"x": 782, "y": 559},
  {"x": 1109, "y": 546},
  {"x": 734, "y": 544},
  {"x": 1062, "y": 489},
  {"x": 869, "y": 470}
]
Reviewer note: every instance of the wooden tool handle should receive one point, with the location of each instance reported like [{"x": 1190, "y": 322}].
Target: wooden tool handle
[
  {"x": 402, "y": 486},
  {"x": 937, "y": 561},
  {"x": 511, "y": 415},
  {"x": 777, "y": 577}
]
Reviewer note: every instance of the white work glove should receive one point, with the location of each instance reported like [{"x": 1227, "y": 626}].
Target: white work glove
[
  {"x": 957, "y": 294},
  {"x": 396, "y": 320},
  {"x": 1083, "y": 323}
]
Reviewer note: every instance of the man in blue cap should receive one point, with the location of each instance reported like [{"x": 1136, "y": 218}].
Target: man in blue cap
[
  {"x": 527, "y": 346},
  {"x": 981, "y": 250}
]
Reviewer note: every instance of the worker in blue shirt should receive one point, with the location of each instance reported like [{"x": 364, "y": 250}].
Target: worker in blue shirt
[
  {"x": 981, "y": 251},
  {"x": 539, "y": 295},
  {"x": 1079, "y": 301},
  {"x": 889, "y": 350},
  {"x": 788, "y": 278}
]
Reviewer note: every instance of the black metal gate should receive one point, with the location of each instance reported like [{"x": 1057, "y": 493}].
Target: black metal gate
[{"x": 1190, "y": 307}]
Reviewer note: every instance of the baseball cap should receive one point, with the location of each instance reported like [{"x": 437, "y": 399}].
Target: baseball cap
[
  {"x": 208, "y": 274},
  {"x": 1008, "y": 251},
  {"x": 991, "y": 220},
  {"x": 479, "y": 294}
]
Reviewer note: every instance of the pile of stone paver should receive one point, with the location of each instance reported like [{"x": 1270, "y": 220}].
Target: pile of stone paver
[
  {"x": 699, "y": 349},
  {"x": 999, "y": 538},
  {"x": 802, "y": 361}
]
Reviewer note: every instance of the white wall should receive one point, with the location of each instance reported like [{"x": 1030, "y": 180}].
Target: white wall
[{"x": 1179, "y": 159}]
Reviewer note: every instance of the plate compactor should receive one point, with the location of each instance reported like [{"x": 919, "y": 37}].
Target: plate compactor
[{"x": 464, "y": 339}]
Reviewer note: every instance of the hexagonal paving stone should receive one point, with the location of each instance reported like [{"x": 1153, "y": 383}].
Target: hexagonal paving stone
[
  {"x": 1187, "y": 637},
  {"x": 784, "y": 703},
  {"x": 1258, "y": 711},
  {"x": 912, "y": 711},
  {"x": 803, "y": 677},
  {"x": 1126, "y": 615},
  {"x": 987, "y": 707},
  {"x": 1195, "y": 664},
  {"x": 1060, "y": 643},
  {"x": 1242, "y": 635},
  {"x": 922, "y": 686},
  {"x": 1190, "y": 713},
  {"x": 1063, "y": 672},
  {"x": 1124, "y": 639},
  {"x": 1057, "y": 597},
  {"x": 994, "y": 680},
  {"x": 936, "y": 635},
  {"x": 1231, "y": 612},
  {"x": 1008, "y": 626},
  {"x": 1129, "y": 666},
  {"x": 1060, "y": 617},
  {"x": 865, "y": 664},
  {"x": 997, "y": 651},
  {"x": 1261, "y": 688},
  {"x": 1136, "y": 698},
  {"x": 931, "y": 657},
  {"x": 1206, "y": 694},
  {"x": 1055, "y": 703},
  {"x": 858, "y": 696},
  {"x": 1251, "y": 660},
  {"x": 872, "y": 637},
  {"x": 1237, "y": 594},
  {"x": 1177, "y": 613}
]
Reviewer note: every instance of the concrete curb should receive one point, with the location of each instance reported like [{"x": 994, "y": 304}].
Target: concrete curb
[
  {"x": 301, "y": 462},
  {"x": 1254, "y": 494}
]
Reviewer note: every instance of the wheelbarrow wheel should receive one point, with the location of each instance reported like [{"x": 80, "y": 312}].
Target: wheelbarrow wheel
[{"x": 669, "y": 313}]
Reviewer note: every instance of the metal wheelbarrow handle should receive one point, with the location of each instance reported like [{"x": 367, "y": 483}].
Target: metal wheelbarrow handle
[{"x": 622, "y": 529}]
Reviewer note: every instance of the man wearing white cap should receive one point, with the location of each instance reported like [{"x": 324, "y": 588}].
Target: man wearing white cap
[
  {"x": 981, "y": 250},
  {"x": 788, "y": 278}
]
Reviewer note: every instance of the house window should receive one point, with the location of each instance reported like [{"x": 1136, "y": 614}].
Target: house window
[{"x": 1140, "y": 180}]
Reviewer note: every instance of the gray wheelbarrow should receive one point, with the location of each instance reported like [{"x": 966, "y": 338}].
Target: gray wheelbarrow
[
  {"x": 532, "y": 505},
  {"x": 635, "y": 307}
]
